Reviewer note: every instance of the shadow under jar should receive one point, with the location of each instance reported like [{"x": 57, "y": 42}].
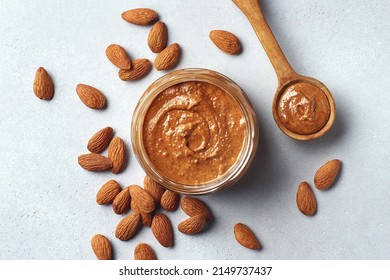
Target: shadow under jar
[{"x": 194, "y": 131}]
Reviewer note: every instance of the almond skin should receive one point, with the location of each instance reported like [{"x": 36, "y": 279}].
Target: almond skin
[
  {"x": 127, "y": 227},
  {"x": 117, "y": 154},
  {"x": 168, "y": 58},
  {"x": 192, "y": 225},
  {"x": 158, "y": 37},
  {"x": 140, "y": 16},
  {"x": 306, "y": 200},
  {"x": 140, "y": 67},
  {"x": 101, "y": 246},
  {"x": 154, "y": 188},
  {"x": 326, "y": 174},
  {"x": 226, "y": 41},
  {"x": 94, "y": 162},
  {"x": 144, "y": 252},
  {"x": 91, "y": 97},
  {"x": 246, "y": 237},
  {"x": 162, "y": 230},
  {"x": 170, "y": 201},
  {"x": 193, "y": 206},
  {"x": 118, "y": 56},
  {"x": 122, "y": 201},
  {"x": 108, "y": 192},
  {"x": 43, "y": 85},
  {"x": 100, "y": 140},
  {"x": 143, "y": 200}
]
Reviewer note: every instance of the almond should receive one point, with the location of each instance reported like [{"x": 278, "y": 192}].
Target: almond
[
  {"x": 100, "y": 140},
  {"x": 246, "y": 237},
  {"x": 146, "y": 218},
  {"x": 117, "y": 154},
  {"x": 144, "y": 252},
  {"x": 143, "y": 200},
  {"x": 43, "y": 85},
  {"x": 94, "y": 162},
  {"x": 306, "y": 200},
  {"x": 121, "y": 203},
  {"x": 127, "y": 227},
  {"x": 170, "y": 200},
  {"x": 140, "y": 16},
  {"x": 168, "y": 58},
  {"x": 193, "y": 206},
  {"x": 118, "y": 56},
  {"x": 140, "y": 67},
  {"x": 101, "y": 246},
  {"x": 226, "y": 41},
  {"x": 154, "y": 188},
  {"x": 90, "y": 96},
  {"x": 108, "y": 192},
  {"x": 162, "y": 230},
  {"x": 326, "y": 174},
  {"x": 192, "y": 225},
  {"x": 158, "y": 37}
]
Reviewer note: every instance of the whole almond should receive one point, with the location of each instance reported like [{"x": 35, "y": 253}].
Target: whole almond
[
  {"x": 306, "y": 200},
  {"x": 43, "y": 85},
  {"x": 158, "y": 37},
  {"x": 127, "y": 227},
  {"x": 122, "y": 201},
  {"x": 143, "y": 200},
  {"x": 246, "y": 237},
  {"x": 154, "y": 188},
  {"x": 94, "y": 162},
  {"x": 100, "y": 140},
  {"x": 146, "y": 218},
  {"x": 168, "y": 58},
  {"x": 140, "y": 16},
  {"x": 118, "y": 56},
  {"x": 170, "y": 200},
  {"x": 140, "y": 67},
  {"x": 226, "y": 41},
  {"x": 101, "y": 246},
  {"x": 108, "y": 192},
  {"x": 192, "y": 225},
  {"x": 144, "y": 252},
  {"x": 117, "y": 154},
  {"x": 326, "y": 174},
  {"x": 90, "y": 96},
  {"x": 193, "y": 206},
  {"x": 162, "y": 230}
]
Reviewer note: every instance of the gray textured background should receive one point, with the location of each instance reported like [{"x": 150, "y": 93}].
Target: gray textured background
[{"x": 48, "y": 208}]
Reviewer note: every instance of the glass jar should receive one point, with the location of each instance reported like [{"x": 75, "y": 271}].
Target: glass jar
[{"x": 250, "y": 139}]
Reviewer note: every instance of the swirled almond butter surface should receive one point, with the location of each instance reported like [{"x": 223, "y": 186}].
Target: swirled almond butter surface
[{"x": 193, "y": 132}]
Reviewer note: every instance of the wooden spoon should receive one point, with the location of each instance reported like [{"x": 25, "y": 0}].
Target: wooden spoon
[{"x": 302, "y": 107}]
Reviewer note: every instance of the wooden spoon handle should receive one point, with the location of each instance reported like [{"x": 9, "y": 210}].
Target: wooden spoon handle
[{"x": 252, "y": 11}]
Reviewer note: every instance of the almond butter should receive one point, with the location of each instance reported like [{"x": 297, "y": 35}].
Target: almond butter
[
  {"x": 94, "y": 162},
  {"x": 127, "y": 227},
  {"x": 117, "y": 154},
  {"x": 162, "y": 230},
  {"x": 101, "y": 246},
  {"x": 122, "y": 201},
  {"x": 168, "y": 58},
  {"x": 306, "y": 200},
  {"x": 226, "y": 41},
  {"x": 43, "y": 85},
  {"x": 326, "y": 174},
  {"x": 140, "y": 67},
  {"x": 192, "y": 225},
  {"x": 246, "y": 237},
  {"x": 144, "y": 252},
  {"x": 100, "y": 140},
  {"x": 193, "y": 206},
  {"x": 158, "y": 37},
  {"x": 154, "y": 188},
  {"x": 108, "y": 192},
  {"x": 142, "y": 198},
  {"x": 140, "y": 16},
  {"x": 118, "y": 56},
  {"x": 170, "y": 200},
  {"x": 90, "y": 96}
]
